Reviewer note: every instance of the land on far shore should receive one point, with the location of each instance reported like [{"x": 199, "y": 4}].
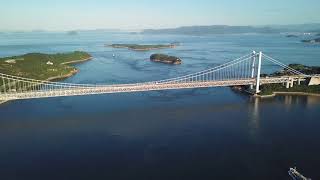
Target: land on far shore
[
  {"x": 272, "y": 89},
  {"x": 312, "y": 41},
  {"x": 137, "y": 47},
  {"x": 269, "y": 89},
  {"x": 43, "y": 66},
  {"x": 227, "y": 29}
]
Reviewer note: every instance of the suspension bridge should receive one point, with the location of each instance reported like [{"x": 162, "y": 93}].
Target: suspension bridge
[{"x": 245, "y": 70}]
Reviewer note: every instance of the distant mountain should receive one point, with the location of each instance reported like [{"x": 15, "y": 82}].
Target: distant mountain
[
  {"x": 216, "y": 29},
  {"x": 224, "y": 29},
  {"x": 98, "y": 30},
  {"x": 311, "y": 27}
]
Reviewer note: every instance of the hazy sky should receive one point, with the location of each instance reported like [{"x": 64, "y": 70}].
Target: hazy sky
[{"x": 140, "y": 14}]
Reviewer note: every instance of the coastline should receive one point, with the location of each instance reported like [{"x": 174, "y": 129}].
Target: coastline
[
  {"x": 165, "y": 62},
  {"x": 77, "y": 61},
  {"x": 287, "y": 93},
  {"x": 56, "y": 78},
  {"x": 150, "y": 49},
  {"x": 142, "y": 49}
]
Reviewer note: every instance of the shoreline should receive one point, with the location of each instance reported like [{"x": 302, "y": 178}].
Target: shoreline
[
  {"x": 72, "y": 73},
  {"x": 287, "y": 93},
  {"x": 77, "y": 61},
  {"x": 165, "y": 62},
  {"x": 142, "y": 49},
  {"x": 149, "y": 49},
  {"x": 57, "y": 78}
]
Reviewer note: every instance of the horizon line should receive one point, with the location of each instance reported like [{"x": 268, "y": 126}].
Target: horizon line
[{"x": 138, "y": 29}]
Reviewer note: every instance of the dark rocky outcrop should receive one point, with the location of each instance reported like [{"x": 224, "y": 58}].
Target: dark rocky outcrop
[{"x": 162, "y": 58}]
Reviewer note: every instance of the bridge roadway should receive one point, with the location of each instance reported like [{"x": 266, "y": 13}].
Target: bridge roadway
[{"x": 152, "y": 86}]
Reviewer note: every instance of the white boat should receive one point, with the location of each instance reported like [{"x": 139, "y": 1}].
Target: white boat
[{"x": 296, "y": 175}]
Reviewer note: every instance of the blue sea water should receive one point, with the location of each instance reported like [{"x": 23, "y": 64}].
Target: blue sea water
[{"x": 209, "y": 133}]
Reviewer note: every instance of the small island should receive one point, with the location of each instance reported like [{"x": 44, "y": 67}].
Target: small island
[
  {"x": 312, "y": 41},
  {"x": 72, "y": 33},
  {"x": 137, "y": 47},
  {"x": 43, "y": 66},
  {"x": 292, "y": 36},
  {"x": 162, "y": 58}
]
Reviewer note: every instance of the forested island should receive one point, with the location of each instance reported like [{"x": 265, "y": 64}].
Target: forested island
[
  {"x": 162, "y": 58},
  {"x": 137, "y": 47},
  {"x": 43, "y": 66}
]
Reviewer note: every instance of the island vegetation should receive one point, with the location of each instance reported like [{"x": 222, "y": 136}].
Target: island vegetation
[
  {"x": 308, "y": 70},
  {"x": 304, "y": 88},
  {"x": 268, "y": 89},
  {"x": 162, "y": 58},
  {"x": 43, "y": 66},
  {"x": 138, "y": 47}
]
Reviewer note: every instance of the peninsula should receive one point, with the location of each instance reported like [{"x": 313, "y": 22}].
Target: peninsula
[
  {"x": 162, "y": 58},
  {"x": 305, "y": 86},
  {"x": 43, "y": 66},
  {"x": 311, "y": 86},
  {"x": 137, "y": 47}
]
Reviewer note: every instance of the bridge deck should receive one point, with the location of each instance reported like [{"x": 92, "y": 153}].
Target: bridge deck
[{"x": 124, "y": 88}]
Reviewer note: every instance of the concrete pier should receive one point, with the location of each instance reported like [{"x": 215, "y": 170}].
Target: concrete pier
[
  {"x": 287, "y": 84},
  {"x": 291, "y": 83}
]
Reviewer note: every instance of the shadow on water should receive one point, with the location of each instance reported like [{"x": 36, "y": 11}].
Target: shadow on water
[{"x": 164, "y": 141}]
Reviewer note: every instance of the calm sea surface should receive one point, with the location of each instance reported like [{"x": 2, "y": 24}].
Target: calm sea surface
[{"x": 181, "y": 134}]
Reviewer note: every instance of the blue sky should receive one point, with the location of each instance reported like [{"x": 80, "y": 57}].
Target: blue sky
[{"x": 140, "y": 14}]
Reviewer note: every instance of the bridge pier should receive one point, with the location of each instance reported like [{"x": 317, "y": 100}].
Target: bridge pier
[
  {"x": 287, "y": 84},
  {"x": 290, "y": 83},
  {"x": 299, "y": 81}
]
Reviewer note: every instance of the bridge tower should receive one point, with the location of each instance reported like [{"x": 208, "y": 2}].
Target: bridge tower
[
  {"x": 254, "y": 56},
  {"x": 258, "y": 73}
]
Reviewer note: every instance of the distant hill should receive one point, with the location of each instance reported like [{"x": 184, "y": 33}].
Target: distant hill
[
  {"x": 311, "y": 27},
  {"x": 224, "y": 29},
  {"x": 216, "y": 29}
]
